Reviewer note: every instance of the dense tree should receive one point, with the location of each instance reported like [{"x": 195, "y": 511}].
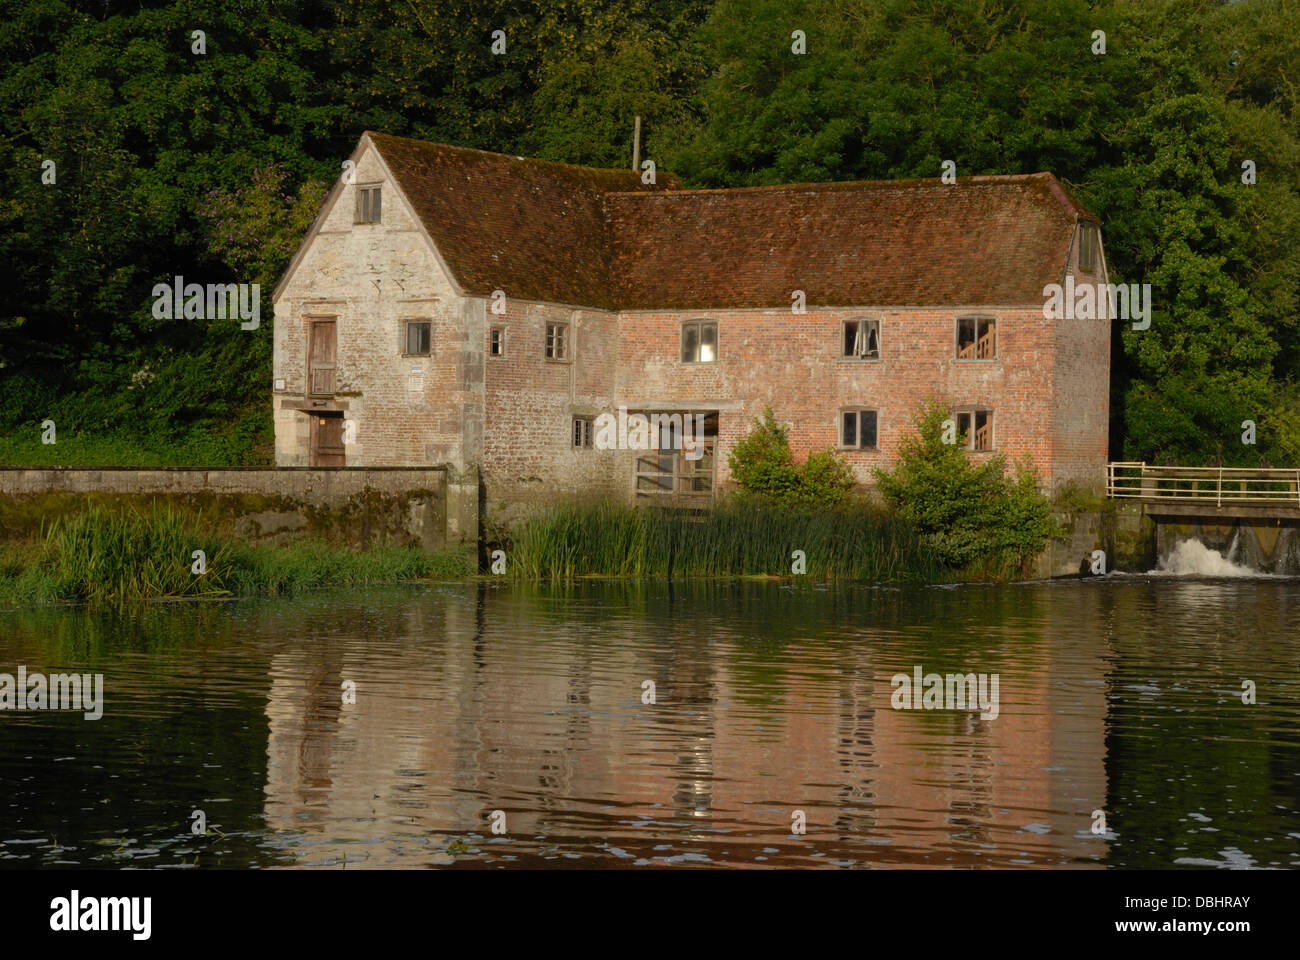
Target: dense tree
[{"x": 142, "y": 129}]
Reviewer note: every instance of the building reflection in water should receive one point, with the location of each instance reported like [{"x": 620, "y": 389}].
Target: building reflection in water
[{"x": 473, "y": 698}]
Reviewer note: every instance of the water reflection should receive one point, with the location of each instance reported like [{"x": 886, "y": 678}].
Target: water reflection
[{"x": 1119, "y": 695}]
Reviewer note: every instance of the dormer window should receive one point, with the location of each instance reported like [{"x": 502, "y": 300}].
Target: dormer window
[{"x": 368, "y": 204}]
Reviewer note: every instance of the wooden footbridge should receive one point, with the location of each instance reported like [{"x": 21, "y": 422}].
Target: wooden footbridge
[{"x": 1246, "y": 492}]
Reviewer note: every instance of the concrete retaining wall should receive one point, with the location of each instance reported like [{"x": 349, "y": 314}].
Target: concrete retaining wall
[{"x": 434, "y": 507}]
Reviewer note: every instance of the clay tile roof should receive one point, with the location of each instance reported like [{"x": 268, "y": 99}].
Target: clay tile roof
[
  {"x": 578, "y": 235},
  {"x": 532, "y": 228}
]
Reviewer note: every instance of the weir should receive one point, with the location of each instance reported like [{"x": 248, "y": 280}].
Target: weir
[{"x": 1249, "y": 516}]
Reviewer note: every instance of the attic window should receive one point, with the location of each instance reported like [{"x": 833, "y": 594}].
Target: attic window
[
  {"x": 368, "y": 204},
  {"x": 977, "y": 338},
  {"x": 862, "y": 339},
  {"x": 1087, "y": 247}
]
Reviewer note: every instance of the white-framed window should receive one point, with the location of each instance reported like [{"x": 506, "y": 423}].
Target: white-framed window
[{"x": 497, "y": 342}]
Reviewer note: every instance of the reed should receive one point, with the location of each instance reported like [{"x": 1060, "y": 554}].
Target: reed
[
  {"x": 112, "y": 557},
  {"x": 731, "y": 540}
]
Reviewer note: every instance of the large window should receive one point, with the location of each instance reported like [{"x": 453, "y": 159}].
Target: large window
[
  {"x": 861, "y": 339},
  {"x": 700, "y": 341},
  {"x": 418, "y": 338},
  {"x": 557, "y": 341},
  {"x": 977, "y": 338},
  {"x": 858, "y": 428},
  {"x": 675, "y": 469},
  {"x": 975, "y": 429},
  {"x": 367, "y": 204}
]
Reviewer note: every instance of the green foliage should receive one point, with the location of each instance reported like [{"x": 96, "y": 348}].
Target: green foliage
[
  {"x": 115, "y": 557},
  {"x": 973, "y": 515},
  {"x": 209, "y": 166},
  {"x": 763, "y": 465},
  {"x": 733, "y": 539},
  {"x": 1151, "y": 136}
]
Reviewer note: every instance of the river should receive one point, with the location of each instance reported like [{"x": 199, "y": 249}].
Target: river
[{"x": 1121, "y": 737}]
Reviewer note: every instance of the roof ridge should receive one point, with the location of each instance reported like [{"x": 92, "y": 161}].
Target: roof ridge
[
  {"x": 505, "y": 156},
  {"x": 988, "y": 178}
]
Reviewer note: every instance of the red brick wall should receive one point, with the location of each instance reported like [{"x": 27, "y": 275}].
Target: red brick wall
[
  {"x": 1081, "y": 398},
  {"x": 530, "y": 402},
  {"x": 792, "y": 362}
]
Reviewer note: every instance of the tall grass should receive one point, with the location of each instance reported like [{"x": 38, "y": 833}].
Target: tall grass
[
  {"x": 106, "y": 557},
  {"x": 733, "y": 539}
]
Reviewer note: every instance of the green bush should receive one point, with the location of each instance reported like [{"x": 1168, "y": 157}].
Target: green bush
[
  {"x": 764, "y": 467},
  {"x": 974, "y": 516}
]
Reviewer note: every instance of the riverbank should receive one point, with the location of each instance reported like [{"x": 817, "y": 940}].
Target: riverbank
[
  {"x": 114, "y": 554},
  {"x": 104, "y": 557}
]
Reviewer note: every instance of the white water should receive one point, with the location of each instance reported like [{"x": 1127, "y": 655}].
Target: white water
[{"x": 1191, "y": 558}]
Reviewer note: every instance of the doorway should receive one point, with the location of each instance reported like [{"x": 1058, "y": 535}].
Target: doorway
[{"x": 327, "y": 448}]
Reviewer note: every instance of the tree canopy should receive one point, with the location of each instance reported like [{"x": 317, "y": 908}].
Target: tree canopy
[{"x": 149, "y": 138}]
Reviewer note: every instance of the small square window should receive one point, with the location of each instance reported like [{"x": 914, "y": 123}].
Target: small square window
[
  {"x": 858, "y": 429},
  {"x": 497, "y": 342},
  {"x": 862, "y": 339},
  {"x": 557, "y": 341},
  {"x": 700, "y": 341},
  {"x": 977, "y": 338},
  {"x": 418, "y": 337},
  {"x": 368, "y": 202},
  {"x": 582, "y": 429}
]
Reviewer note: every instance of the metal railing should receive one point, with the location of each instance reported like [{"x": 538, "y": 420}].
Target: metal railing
[{"x": 1218, "y": 485}]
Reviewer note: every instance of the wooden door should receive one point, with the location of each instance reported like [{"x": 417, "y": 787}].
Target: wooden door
[
  {"x": 321, "y": 357},
  {"x": 327, "y": 440}
]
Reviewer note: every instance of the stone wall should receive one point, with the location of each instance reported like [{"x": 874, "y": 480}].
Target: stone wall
[
  {"x": 370, "y": 278},
  {"x": 1119, "y": 528},
  {"x": 434, "y": 507}
]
